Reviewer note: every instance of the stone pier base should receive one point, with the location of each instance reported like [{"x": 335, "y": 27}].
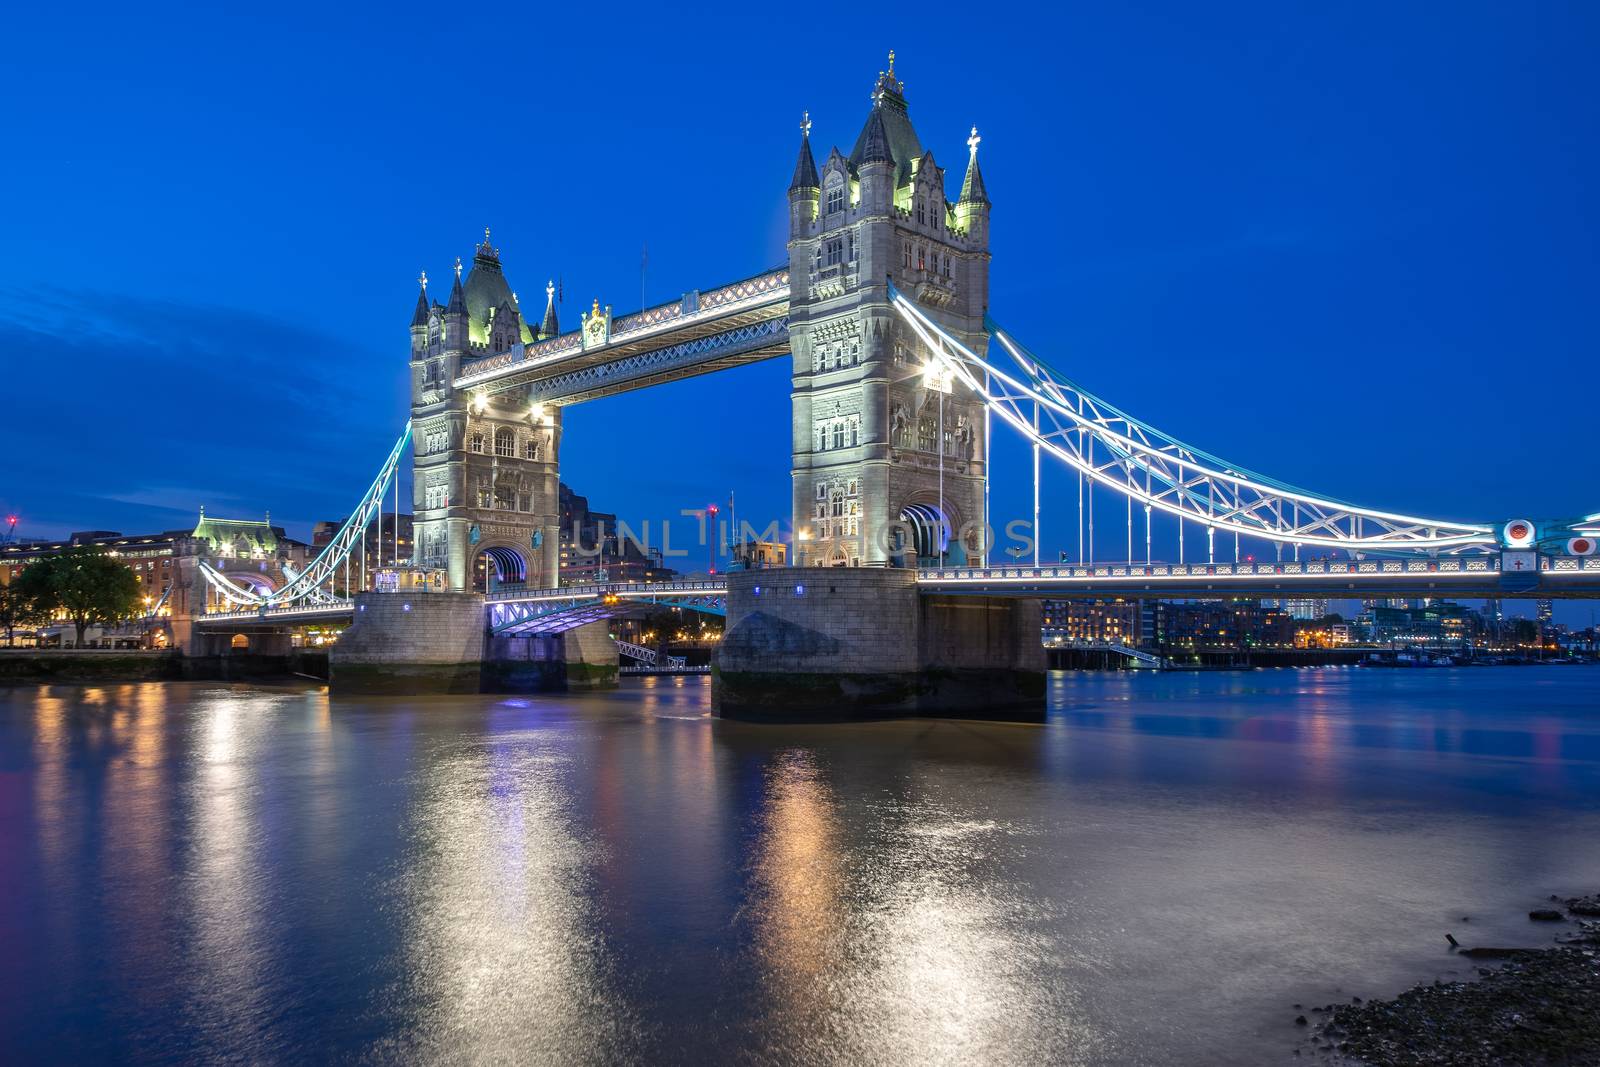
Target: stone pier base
[
  {"x": 411, "y": 643},
  {"x": 576, "y": 661},
  {"x": 861, "y": 643}
]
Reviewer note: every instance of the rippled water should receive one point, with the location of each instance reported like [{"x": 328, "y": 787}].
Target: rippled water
[{"x": 1153, "y": 876}]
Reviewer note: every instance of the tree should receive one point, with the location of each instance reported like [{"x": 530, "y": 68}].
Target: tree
[
  {"x": 17, "y": 608},
  {"x": 85, "y": 584}
]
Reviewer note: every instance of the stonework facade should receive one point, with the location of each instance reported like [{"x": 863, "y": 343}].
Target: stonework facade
[
  {"x": 486, "y": 466},
  {"x": 884, "y": 445}
]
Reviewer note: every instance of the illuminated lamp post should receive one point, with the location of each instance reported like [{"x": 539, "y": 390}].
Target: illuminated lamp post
[{"x": 711, "y": 546}]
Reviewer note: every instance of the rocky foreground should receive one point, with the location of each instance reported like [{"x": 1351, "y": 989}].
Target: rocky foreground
[{"x": 1539, "y": 1007}]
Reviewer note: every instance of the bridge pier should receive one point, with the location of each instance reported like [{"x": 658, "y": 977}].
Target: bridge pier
[
  {"x": 410, "y": 643},
  {"x": 824, "y": 644},
  {"x": 437, "y": 642},
  {"x": 578, "y": 660}
]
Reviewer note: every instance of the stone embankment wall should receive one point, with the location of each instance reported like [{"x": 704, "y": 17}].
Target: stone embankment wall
[
  {"x": 861, "y": 643},
  {"x": 97, "y": 667}
]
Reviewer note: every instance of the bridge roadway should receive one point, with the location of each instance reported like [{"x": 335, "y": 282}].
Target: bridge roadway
[
  {"x": 1473, "y": 577},
  {"x": 1477, "y": 577}
]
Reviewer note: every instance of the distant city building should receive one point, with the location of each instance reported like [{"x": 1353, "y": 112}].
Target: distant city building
[
  {"x": 1440, "y": 622},
  {"x": 595, "y": 549},
  {"x": 150, "y": 556},
  {"x": 1304, "y": 610},
  {"x": 253, "y": 553},
  {"x": 1099, "y": 621},
  {"x": 1215, "y": 626},
  {"x": 751, "y": 555}
]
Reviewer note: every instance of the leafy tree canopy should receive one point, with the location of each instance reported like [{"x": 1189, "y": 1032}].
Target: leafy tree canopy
[{"x": 83, "y": 583}]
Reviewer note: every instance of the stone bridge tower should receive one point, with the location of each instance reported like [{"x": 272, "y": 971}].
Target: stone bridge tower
[
  {"x": 486, "y": 468},
  {"x": 882, "y": 444}
]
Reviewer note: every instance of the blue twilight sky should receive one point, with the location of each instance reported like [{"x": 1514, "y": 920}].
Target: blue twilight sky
[{"x": 1352, "y": 245}]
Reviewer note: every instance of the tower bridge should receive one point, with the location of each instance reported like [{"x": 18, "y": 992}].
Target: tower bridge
[{"x": 900, "y": 377}]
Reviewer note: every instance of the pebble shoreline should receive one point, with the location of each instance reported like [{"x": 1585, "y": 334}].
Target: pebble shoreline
[{"x": 1539, "y": 1007}]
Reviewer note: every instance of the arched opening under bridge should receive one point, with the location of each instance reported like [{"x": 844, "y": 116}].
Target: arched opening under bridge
[
  {"x": 930, "y": 533},
  {"x": 498, "y": 567}
]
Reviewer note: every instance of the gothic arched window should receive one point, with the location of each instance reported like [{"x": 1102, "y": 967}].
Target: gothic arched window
[{"x": 505, "y": 442}]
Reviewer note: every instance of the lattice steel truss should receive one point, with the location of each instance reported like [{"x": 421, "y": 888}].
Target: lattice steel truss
[{"x": 1160, "y": 472}]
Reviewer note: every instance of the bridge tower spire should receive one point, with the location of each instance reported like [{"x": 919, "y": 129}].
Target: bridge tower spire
[
  {"x": 885, "y": 449},
  {"x": 805, "y": 186},
  {"x": 551, "y": 326},
  {"x": 486, "y": 473}
]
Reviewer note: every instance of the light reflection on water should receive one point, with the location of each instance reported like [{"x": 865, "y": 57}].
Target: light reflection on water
[{"x": 1154, "y": 875}]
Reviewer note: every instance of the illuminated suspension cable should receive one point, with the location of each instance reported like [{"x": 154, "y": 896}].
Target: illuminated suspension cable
[
  {"x": 1118, "y": 451},
  {"x": 307, "y": 584}
]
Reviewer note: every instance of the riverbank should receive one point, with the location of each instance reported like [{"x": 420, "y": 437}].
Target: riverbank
[
  {"x": 1539, "y": 1007},
  {"x": 92, "y": 666}
]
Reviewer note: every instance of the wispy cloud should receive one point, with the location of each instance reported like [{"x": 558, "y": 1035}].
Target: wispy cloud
[{"x": 127, "y": 410}]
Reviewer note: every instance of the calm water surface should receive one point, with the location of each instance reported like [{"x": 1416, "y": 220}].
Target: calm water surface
[{"x": 207, "y": 872}]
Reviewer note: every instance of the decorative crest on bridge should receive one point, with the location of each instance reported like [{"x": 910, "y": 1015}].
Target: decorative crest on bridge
[{"x": 596, "y": 328}]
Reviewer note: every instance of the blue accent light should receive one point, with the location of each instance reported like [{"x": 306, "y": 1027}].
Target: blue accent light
[
  {"x": 758, "y": 590},
  {"x": 405, "y": 607},
  {"x": 799, "y": 590}
]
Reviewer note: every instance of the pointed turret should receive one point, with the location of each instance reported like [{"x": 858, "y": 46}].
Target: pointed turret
[
  {"x": 873, "y": 146},
  {"x": 550, "y": 327},
  {"x": 455, "y": 315},
  {"x": 972, "y": 190},
  {"x": 805, "y": 168},
  {"x": 420, "y": 316},
  {"x": 972, "y": 210},
  {"x": 458, "y": 298}
]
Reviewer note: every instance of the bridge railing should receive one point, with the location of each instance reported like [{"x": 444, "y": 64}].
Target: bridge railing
[
  {"x": 1468, "y": 565},
  {"x": 338, "y": 607},
  {"x": 1480, "y": 565},
  {"x": 590, "y": 591}
]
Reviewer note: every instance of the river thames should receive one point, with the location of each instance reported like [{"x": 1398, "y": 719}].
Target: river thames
[{"x": 1155, "y": 875}]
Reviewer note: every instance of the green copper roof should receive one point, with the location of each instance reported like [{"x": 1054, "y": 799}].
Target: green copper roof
[
  {"x": 890, "y": 115},
  {"x": 229, "y": 532},
  {"x": 486, "y": 289}
]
